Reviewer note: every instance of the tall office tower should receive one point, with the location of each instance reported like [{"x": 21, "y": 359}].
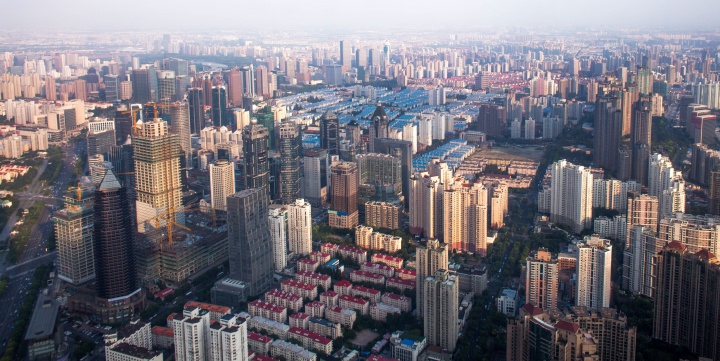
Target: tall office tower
[
  {"x": 74, "y": 235},
  {"x": 382, "y": 173},
  {"x": 157, "y": 172},
  {"x": 207, "y": 86},
  {"x": 300, "y": 227},
  {"x": 50, "y": 89},
  {"x": 113, "y": 235},
  {"x": 179, "y": 66},
  {"x": 333, "y": 74},
  {"x": 234, "y": 81},
  {"x": 374, "y": 57},
  {"x": 686, "y": 308},
  {"x": 262, "y": 86},
  {"x": 112, "y": 87},
  {"x": 642, "y": 210},
  {"x": 426, "y": 205},
  {"x": 401, "y": 149},
  {"x": 289, "y": 162},
  {"x": 220, "y": 117},
  {"x": 248, "y": 81},
  {"x": 701, "y": 124},
  {"x": 628, "y": 98},
  {"x": 278, "y": 225},
  {"x": 166, "y": 86},
  {"x": 100, "y": 141},
  {"x": 345, "y": 54},
  {"x": 714, "y": 190},
  {"x": 608, "y": 132},
  {"x": 316, "y": 170},
  {"x": 644, "y": 81},
  {"x": 431, "y": 256},
  {"x": 594, "y": 265},
  {"x": 141, "y": 85},
  {"x": 249, "y": 246},
  {"x": 571, "y": 195},
  {"x": 125, "y": 119},
  {"x": 255, "y": 151},
  {"x": 640, "y": 137},
  {"x": 379, "y": 127},
  {"x": 541, "y": 284},
  {"x": 491, "y": 119},
  {"x": 196, "y": 104},
  {"x": 344, "y": 188},
  {"x": 465, "y": 215},
  {"x": 222, "y": 183},
  {"x": 330, "y": 133},
  {"x": 361, "y": 58},
  {"x": 440, "y": 308},
  {"x": 180, "y": 126}
]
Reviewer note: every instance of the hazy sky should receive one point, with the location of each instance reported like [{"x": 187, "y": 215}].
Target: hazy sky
[{"x": 127, "y": 15}]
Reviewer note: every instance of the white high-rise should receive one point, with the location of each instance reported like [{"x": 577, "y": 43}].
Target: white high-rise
[
  {"x": 516, "y": 129},
  {"x": 667, "y": 185},
  {"x": 437, "y": 96},
  {"x": 300, "y": 227},
  {"x": 198, "y": 338},
  {"x": 594, "y": 266},
  {"x": 571, "y": 195},
  {"x": 441, "y": 309},
  {"x": 529, "y": 128},
  {"x": 278, "y": 223},
  {"x": 222, "y": 183}
]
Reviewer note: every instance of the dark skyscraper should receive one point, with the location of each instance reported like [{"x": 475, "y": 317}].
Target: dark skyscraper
[
  {"x": 329, "y": 133},
  {"x": 196, "y": 102},
  {"x": 249, "y": 245},
  {"x": 491, "y": 120},
  {"x": 219, "y": 107},
  {"x": 255, "y": 150},
  {"x": 401, "y": 149},
  {"x": 344, "y": 188},
  {"x": 640, "y": 138},
  {"x": 114, "y": 257},
  {"x": 289, "y": 162},
  {"x": 100, "y": 142},
  {"x": 379, "y": 126},
  {"x": 608, "y": 133},
  {"x": 141, "y": 85}
]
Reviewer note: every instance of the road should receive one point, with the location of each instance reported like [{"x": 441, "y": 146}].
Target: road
[{"x": 35, "y": 254}]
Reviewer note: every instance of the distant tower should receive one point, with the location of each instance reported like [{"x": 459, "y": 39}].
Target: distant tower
[
  {"x": 289, "y": 162},
  {"x": 641, "y": 138},
  {"x": 379, "y": 127},
  {"x": 180, "y": 125},
  {"x": 233, "y": 78},
  {"x": 219, "y": 107},
  {"x": 222, "y": 183},
  {"x": 345, "y": 54},
  {"x": 330, "y": 133},
  {"x": 196, "y": 103},
  {"x": 255, "y": 150}
]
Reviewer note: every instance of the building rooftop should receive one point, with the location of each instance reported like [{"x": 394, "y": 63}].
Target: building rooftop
[
  {"x": 162, "y": 331},
  {"x": 207, "y": 306},
  {"x": 258, "y": 337},
  {"x": 134, "y": 351},
  {"x": 44, "y": 317}
]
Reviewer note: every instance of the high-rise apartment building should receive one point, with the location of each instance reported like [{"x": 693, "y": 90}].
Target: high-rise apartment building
[
  {"x": 491, "y": 119},
  {"x": 686, "y": 308},
  {"x": 157, "y": 174},
  {"x": 594, "y": 266},
  {"x": 431, "y": 256},
  {"x": 249, "y": 246},
  {"x": 197, "y": 336},
  {"x": 440, "y": 310},
  {"x": 541, "y": 284},
  {"x": 255, "y": 150},
  {"x": 465, "y": 215},
  {"x": 714, "y": 190},
  {"x": 74, "y": 227},
  {"x": 278, "y": 225},
  {"x": 343, "y": 211},
  {"x": 642, "y": 210},
  {"x": 289, "y": 162},
  {"x": 300, "y": 227},
  {"x": 222, "y": 183},
  {"x": 316, "y": 171},
  {"x": 571, "y": 193}
]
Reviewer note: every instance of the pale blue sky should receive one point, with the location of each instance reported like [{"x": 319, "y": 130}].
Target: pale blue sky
[{"x": 343, "y": 15}]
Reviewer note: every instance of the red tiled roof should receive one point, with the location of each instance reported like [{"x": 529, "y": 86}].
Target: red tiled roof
[
  {"x": 567, "y": 326},
  {"x": 343, "y": 283},
  {"x": 258, "y": 337},
  {"x": 162, "y": 331},
  {"x": 352, "y": 299},
  {"x": 266, "y": 306},
  {"x": 312, "y": 335},
  {"x": 532, "y": 310},
  {"x": 207, "y": 306}
]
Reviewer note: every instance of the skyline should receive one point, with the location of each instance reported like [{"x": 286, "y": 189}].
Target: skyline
[{"x": 326, "y": 15}]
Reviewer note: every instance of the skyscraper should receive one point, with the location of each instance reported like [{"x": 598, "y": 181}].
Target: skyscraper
[
  {"x": 571, "y": 195},
  {"x": 196, "y": 103},
  {"x": 249, "y": 246},
  {"x": 330, "y": 133},
  {"x": 431, "y": 256},
  {"x": 343, "y": 211},
  {"x": 166, "y": 86},
  {"x": 491, "y": 119},
  {"x": 114, "y": 257},
  {"x": 541, "y": 284},
  {"x": 234, "y": 86},
  {"x": 594, "y": 265},
  {"x": 278, "y": 225},
  {"x": 401, "y": 149},
  {"x": 74, "y": 227},
  {"x": 686, "y": 307},
  {"x": 289, "y": 162},
  {"x": 262, "y": 86},
  {"x": 316, "y": 169},
  {"x": 345, "y": 54},
  {"x": 157, "y": 173},
  {"x": 641, "y": 139},
  {"x": 465, "y": 216},
  {"x": 219, "y": 107},
  {"x": 247, "y": 73},
  {"x": 222, "y": 183},
  {"x": 379, "y": 127},
  {"x": 180, "y": 126},
  {"x": 608, "y": 132},
  {"x": 141, "y": 85},
  {"x": 255, "y": 150},
  {"x": 300, "y": 227},
  {"x": 642, "y": 210},
  {"x": 440, "y": 310}
]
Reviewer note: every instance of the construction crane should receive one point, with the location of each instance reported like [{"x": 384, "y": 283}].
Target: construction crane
[{"x": 169, "y": 218}]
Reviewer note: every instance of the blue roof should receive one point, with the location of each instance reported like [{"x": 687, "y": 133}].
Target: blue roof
[{"x": 407, "y": 342}]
